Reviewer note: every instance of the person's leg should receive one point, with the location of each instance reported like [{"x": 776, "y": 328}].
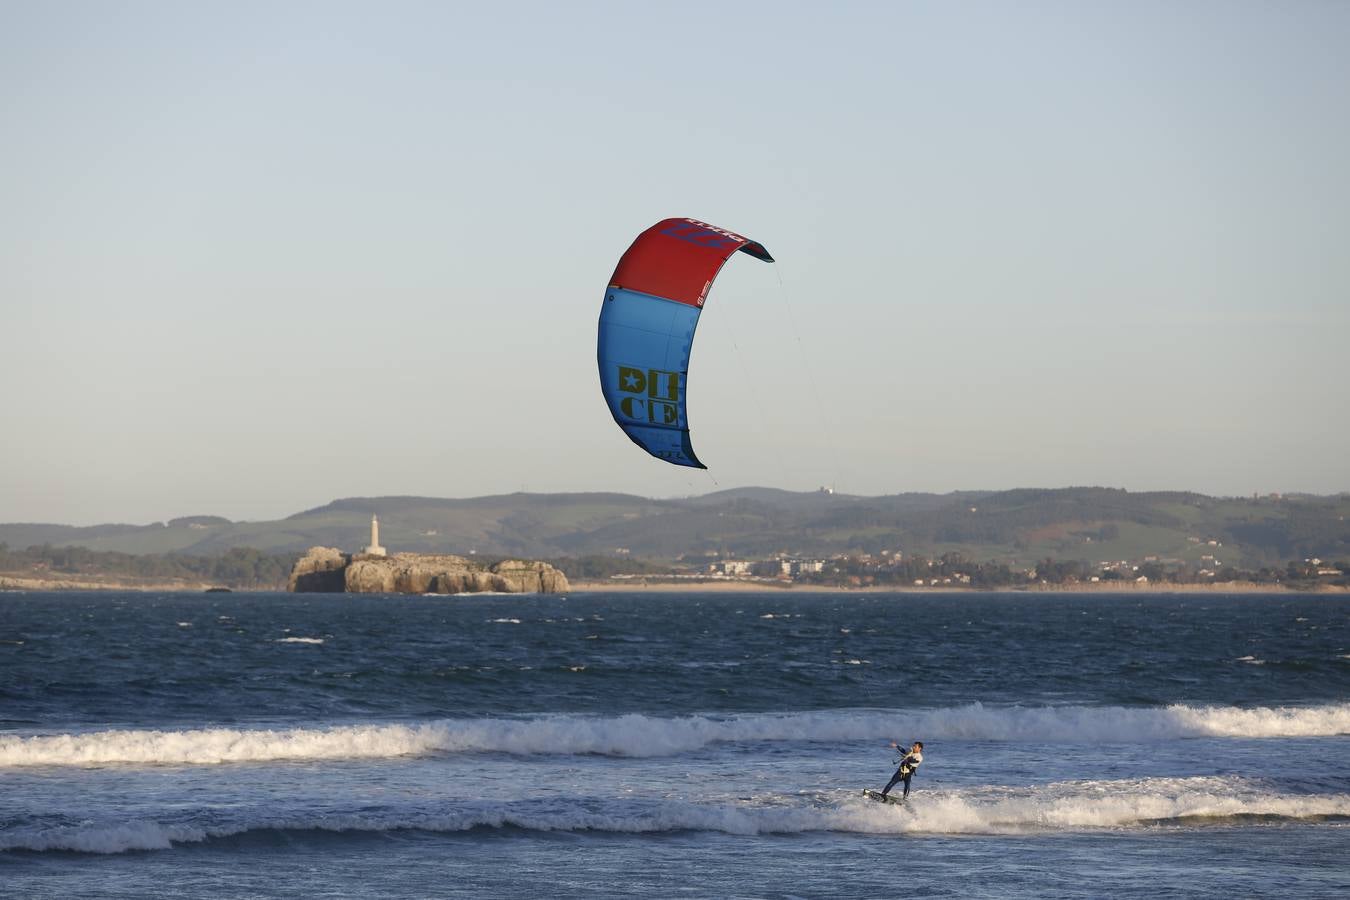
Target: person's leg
[
  {"x": 905, "y": 795},
  {"x": 890, "y": 784}
]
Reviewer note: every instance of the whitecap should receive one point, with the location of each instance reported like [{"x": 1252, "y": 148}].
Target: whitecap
[{"x": 636, "y": 735}]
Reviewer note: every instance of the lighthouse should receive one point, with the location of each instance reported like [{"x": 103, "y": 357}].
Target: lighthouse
[{"x": 374, "y": 549}]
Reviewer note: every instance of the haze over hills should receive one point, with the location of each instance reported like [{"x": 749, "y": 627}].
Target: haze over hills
[{"x": 1019, "y": 525}]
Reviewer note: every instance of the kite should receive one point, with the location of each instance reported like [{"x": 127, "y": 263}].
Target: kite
[{"x": 647, "y": 326}]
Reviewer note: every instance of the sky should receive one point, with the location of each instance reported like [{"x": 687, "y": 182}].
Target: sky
[{"x": 258, "y": 256}]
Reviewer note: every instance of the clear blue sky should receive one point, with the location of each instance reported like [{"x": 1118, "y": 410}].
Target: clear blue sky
[{"x": 256, "y": 256}]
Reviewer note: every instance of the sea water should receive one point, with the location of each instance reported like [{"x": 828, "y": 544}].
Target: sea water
[{"x": 700, "y": 745}]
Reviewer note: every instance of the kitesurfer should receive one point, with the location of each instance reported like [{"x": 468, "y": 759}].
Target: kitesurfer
[{"x": 908, "y": 766}]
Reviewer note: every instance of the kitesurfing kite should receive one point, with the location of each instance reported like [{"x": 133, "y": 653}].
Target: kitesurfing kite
[{"x": 647, "y": 326}]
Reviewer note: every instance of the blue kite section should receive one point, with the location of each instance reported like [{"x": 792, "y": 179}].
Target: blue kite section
[{"x": 644, "y": 368}]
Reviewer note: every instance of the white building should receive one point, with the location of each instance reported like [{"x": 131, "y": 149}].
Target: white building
[{"x": 731, "y": 567}]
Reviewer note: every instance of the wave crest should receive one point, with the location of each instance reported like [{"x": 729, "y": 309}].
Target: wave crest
[{"x": 645, "y": 736}]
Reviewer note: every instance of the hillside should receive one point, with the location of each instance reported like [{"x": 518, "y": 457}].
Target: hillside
[{"x": 1015, "y": 526}]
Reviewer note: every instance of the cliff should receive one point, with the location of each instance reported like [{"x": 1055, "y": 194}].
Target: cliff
[{"x": 324, "y": 569}]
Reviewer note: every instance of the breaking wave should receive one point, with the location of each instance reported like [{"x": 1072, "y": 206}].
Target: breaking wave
[
  {"x": 1072, "y": 806},
  {"x": 647, "y": 736}
]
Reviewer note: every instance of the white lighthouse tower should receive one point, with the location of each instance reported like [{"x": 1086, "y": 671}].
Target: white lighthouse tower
[{"x": 375, "y": 549}]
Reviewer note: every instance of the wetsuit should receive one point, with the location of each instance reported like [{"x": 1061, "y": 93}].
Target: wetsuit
[{"x": 908, "y": 766}]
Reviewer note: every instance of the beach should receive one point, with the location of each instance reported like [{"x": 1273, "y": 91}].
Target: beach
[{"x": 736, "y": 586}]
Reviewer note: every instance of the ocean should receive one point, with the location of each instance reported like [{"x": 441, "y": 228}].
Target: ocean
[{"x": 676, "y": 745}]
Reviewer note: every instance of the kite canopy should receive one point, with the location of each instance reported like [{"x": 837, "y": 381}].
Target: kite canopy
[{"x": 647, "y": 326}]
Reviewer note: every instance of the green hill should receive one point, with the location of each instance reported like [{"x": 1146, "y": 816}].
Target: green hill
[{"x": 1082, "y": 523}]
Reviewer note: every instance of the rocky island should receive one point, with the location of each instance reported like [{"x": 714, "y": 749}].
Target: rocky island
[
  {"x": 374, "y": 571},
  {"x": 328, "y": 570}
]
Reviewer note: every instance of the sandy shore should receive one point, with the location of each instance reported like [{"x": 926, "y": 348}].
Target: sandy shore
[{"x": 736, "y": 586}]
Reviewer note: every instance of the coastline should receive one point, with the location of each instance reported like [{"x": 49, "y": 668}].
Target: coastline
[
  {"x": 730, "y": 586},
  {"x": 16, "y": 583},
  {"x": 94, "y": 583}
]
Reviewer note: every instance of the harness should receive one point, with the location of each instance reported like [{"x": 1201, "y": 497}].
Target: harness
[{"x": 906, "y": 769}]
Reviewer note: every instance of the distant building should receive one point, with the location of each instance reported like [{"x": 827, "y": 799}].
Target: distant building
[{"x": 772, "y": 568}]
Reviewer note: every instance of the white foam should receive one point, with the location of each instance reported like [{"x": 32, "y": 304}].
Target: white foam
[
  {"x": 646, "y": 736},
  {"x": 219, "y": 745},
  {"x": 1112, "y": 804},
  {"x": 1066, "y": 807},
  {"x": 299, "y": 640}
]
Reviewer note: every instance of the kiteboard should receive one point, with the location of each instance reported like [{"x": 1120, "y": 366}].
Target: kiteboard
[{"x": 877, "y": 796}]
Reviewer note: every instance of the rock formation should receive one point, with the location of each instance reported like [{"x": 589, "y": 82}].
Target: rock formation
[
  {"x": 324, "y": 569},
  {"x": 319, "y": 570}
]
